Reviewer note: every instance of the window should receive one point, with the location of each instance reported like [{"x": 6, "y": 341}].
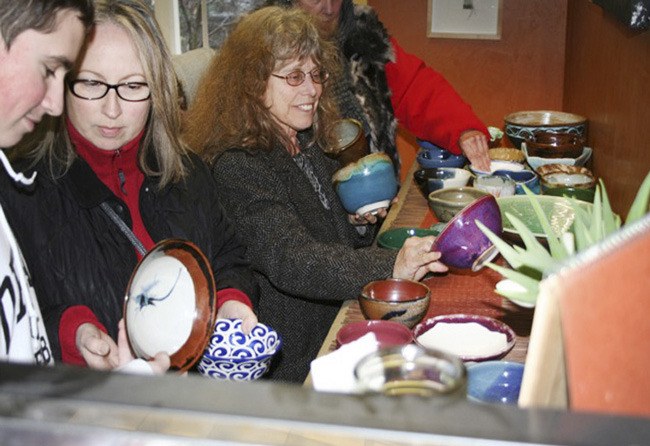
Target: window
[{"x": 183, "y": 21}]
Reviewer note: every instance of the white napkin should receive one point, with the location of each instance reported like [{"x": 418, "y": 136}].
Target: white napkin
[{"x": 334, "y": 372}]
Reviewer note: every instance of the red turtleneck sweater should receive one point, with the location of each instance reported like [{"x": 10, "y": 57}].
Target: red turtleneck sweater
[{"x": 120, "y": 172}]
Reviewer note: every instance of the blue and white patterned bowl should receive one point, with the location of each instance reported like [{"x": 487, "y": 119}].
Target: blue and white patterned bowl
[{"x": 233, "y": 355}]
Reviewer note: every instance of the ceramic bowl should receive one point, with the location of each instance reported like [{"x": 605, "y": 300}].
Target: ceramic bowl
[
  {"x": 555, "y": 145},
  {"x": 236, "y": 356},
  {"x": 387, "y": 333},
  {"x": 526, "y": 178},
  {"x": 429, "y": 180},
  {"x": 558, "y": 211},
  {"x": 523, "y": 124},
  {"x": 412, "y": 370},
  {"x": 536, "y": 162},
  {"x": 586, "y": 195},
  {"x": 431, "y": 156},
  {"x": 560, "y": 175},
  {"x": 395, "y": 238},
  {"x": 461, "y": 243},
  {"x": 499, "y": 186},
  {"x": 366, "y": 185},
  {"x": 495, "y": 382},
  {"x": 469, "y": 336},
  {"x": 170, "y": 303},
  {"x": 507, "y": 154},
  {"x": 350, "y": 142},
  {"x": 399, "y": 300},
  {"x": 446, "y": 203},
  {"x": 499, "y": 166}
]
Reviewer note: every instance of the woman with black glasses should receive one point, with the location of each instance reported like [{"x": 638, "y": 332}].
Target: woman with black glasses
[
  {"x": 260, "y": 116},
  {"x": 117, "y": 146}
]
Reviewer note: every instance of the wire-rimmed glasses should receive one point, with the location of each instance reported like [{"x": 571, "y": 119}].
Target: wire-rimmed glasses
[
  {"x": 297, "y": 77},
  {"x": 93, "y": 89}
]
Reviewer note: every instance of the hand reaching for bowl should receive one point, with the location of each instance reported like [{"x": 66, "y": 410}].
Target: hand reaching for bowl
[
  {"x": 232, "y": 309},
  {"x": 474, "y": 145},
  {"x": 416, "y": 259}
]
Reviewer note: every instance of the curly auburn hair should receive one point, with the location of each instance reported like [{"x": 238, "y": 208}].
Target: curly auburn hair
[{"x": 229, "y": 110}]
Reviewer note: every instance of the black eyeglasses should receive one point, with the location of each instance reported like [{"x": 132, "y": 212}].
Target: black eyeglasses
[
  {"x": 92, "y": 90},
  {"x": 297, "y": 77}
]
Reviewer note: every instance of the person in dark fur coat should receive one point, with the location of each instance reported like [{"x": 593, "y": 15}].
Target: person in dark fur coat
[
  {"x": 260, "y": 118},
  {"x": 382, "y": 84}
]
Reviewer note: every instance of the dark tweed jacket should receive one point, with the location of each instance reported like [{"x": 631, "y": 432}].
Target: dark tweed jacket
[{"x": 307, "y": 259}]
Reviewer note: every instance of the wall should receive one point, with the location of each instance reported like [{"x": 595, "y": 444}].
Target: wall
[
  {"x": 523, "y": 70},
  {"x": 608, "y": 80}
]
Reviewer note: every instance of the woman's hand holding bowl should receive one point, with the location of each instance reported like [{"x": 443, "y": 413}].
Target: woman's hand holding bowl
[{"x": 416, "y": 259}]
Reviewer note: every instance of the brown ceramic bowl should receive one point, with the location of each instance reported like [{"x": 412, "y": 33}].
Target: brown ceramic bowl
[
  {"x": 400, "y": 300},
  {"x": 555, "y": 145},
  {"x": 562, "y": 176}
]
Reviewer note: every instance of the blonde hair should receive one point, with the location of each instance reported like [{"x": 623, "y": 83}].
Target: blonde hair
[
  {"x": 161, "y": 136},
  {"x": 229, "y": 110}
]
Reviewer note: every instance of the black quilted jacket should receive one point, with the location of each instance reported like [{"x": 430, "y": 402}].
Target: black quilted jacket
[
  {"x": 76, "y": 255},
  {"x": 307, "y": 259}
]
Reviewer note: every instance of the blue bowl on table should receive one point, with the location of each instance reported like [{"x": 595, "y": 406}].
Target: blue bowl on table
[
  {"x": 495, "y": 382},
  {"x": 522, "y": 178}
]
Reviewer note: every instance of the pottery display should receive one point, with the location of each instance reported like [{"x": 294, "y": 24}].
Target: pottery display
[{"x": 170, "y": 303}]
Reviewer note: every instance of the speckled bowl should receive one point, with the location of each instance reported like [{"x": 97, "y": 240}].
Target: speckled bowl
[
  {"x": 446, "y": 203},
  {"x": 560, "y": 175},
  {"x": 398, "y": 300},
  {"x": 462, "y": 244},
  {"x": 497, "y": 382},
  {"x": 366, "y": 185},
  {"x": 487, "y": 353}
]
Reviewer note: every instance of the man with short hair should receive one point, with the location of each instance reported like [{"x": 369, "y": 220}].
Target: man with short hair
[{"x": 39, "y": 42}]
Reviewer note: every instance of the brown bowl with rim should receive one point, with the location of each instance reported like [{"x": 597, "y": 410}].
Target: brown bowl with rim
[
  {"x": 555, "y": 145},
  {"x": 400, "y": 300}
]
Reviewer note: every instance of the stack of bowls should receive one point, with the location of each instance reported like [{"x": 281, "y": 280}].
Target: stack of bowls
[{"x": 431, "y": 156}]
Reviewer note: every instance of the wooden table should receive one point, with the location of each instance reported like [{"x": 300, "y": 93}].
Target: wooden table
[{"x": 451, "y": 293}]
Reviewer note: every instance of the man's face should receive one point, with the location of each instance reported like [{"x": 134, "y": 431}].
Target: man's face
[
  {"x": 32, "y": 72},
  {"x": 327, "y": 12}
]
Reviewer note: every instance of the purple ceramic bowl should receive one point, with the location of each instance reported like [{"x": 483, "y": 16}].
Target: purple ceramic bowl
[
  {"x": 478, "y": 352},
  {"x": 388, "y": 333},
  {"x": 462, "y": 244}
]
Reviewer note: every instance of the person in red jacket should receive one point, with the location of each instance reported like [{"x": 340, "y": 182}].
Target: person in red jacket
[{"x": 383, "y": 85}]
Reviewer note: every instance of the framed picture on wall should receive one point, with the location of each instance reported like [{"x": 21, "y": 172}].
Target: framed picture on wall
[{"x": 465, "y": 19}]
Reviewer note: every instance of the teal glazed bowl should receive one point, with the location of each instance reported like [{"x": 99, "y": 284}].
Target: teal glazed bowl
[
  {"x": 496, "y": 382},
  {"x": 367, "y": 185},
  {"x": 395, "y": 238}
]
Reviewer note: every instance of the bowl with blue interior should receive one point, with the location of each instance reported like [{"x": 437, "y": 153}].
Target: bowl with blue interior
[
  {"x": 431, "y": 156},
  {"x": 366, "y": 185},
  {"x": 233, "y": 355},
  {"x": 495, "y": 382}
]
